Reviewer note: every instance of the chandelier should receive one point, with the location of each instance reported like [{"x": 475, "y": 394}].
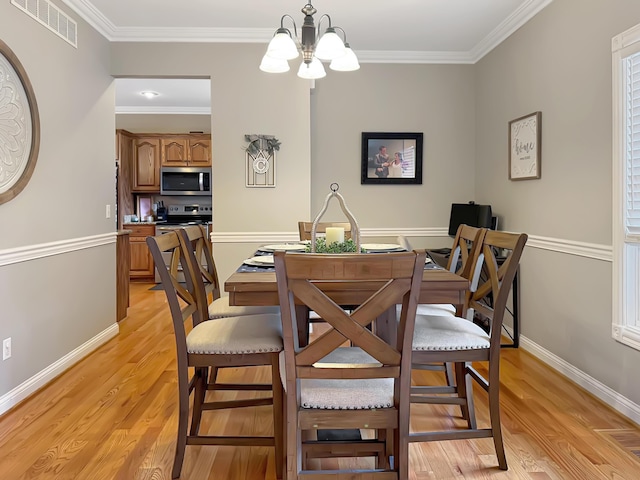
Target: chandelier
[{"x": 329, "y": 47}]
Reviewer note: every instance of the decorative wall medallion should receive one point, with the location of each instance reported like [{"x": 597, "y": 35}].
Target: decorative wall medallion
[
  {"x": 19, "y": 126},
  {"x": 261, "y": 160}
]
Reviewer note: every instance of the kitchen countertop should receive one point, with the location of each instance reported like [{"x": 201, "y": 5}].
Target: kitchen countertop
[{"x": 144, "y": 223}]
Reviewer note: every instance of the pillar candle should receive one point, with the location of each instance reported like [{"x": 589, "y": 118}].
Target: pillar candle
[{"x": 334, "y": 234}]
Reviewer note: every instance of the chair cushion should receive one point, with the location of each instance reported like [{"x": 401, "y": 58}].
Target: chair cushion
[
  {"x": 448, "y": 333},
  {"x": 220, "y": 308},
  {"x": 348, "y": 357},
  {"x": 344, "y": 394},
  {"x": 431, "y": 309},
  {"x": 351, "y": 394},
  {"x": 237, "y": 335}
]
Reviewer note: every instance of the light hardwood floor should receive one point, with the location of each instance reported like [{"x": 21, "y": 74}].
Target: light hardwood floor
[{"x": 113, "y": 416}]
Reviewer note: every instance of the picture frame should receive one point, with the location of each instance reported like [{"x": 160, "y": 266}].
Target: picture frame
[
  {"x": 380, "y": 148},
  {"x": 525, "y": 140}
]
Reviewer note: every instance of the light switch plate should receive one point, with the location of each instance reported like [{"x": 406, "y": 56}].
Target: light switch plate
[{"x": 6, "y": 348}]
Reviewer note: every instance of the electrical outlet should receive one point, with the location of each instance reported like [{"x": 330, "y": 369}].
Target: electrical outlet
[
  {"x": 108, "y": 211},
  {"x": 6, "y": 348}
]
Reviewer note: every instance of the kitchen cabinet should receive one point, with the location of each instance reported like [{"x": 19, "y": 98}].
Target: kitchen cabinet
[
  {"x": 124, "y": 175},
  {"x": 142, "y": 266},
  {"x": 185, "y": 151},
  {"x": 199, "y": 151},
  {"x": 146, "y": 165},
  {"x": 123, "y": 266},
  {"x": 174, "y": 151}
]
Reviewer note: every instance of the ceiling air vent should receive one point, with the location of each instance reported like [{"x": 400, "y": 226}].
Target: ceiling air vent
[{"x": 51, "y": 17}]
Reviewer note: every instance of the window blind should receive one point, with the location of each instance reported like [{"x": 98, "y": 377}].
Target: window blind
[{"x": 632, "y": 145}]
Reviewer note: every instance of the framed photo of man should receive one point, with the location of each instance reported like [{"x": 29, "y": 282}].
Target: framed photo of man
[{"x": 391, "y": 158}]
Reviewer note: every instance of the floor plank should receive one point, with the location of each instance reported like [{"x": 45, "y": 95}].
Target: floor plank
[{"x": 113, "y": 416}]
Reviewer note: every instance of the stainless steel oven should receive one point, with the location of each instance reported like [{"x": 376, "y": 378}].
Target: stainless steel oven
[
  {"x": 185, "y": 181},
  {"x": 179, "y": 216}
]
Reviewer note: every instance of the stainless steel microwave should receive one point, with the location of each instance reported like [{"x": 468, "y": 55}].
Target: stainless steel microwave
[{"x": 185, "y": 181}]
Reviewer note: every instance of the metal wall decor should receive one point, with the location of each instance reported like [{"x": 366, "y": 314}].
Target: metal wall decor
[
  {"x": 19, "y": 126},
  {"x": 261, "y": 160}
]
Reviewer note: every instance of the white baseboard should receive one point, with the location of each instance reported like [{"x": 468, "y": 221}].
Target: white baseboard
[
  {"x": 609, "y": 396},
  {"x": 33, "y": 384}
]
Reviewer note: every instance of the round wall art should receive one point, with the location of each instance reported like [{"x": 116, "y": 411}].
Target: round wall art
[{"x": 19, "y": 126}]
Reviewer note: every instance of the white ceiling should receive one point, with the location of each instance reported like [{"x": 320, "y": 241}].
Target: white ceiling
[
  {"x": 379, "y": 31},
  {"x": 176, "y": 96}
]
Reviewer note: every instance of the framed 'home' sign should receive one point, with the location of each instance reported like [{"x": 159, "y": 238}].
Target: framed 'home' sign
[{"x": 524, "y": 147}]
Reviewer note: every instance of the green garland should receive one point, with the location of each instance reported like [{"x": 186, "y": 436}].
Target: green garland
[
  {"x": 348, "y": 246},
  {"x": 261, "y": 142}
]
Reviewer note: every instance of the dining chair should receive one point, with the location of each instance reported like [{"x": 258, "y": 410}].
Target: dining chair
[
  {"x": 466, "y": 246},
  {"x": 305, "y": 228},
  {"x": 464, "y": 262},
  {"x": 218, "y": 303},
  {"x": 458, "y": 340},
  {"x": 335, "y": 387},
  {"x": 204, "y": 345}
]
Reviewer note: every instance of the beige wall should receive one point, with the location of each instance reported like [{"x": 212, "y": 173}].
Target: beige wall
[
  {"x": 560, "y": 63},
  {"x": 437, "y": 100},
  {"x": 53, "y": 304}
]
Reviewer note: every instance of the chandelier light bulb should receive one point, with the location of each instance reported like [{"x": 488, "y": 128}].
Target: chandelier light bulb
[
  {"x": 329, "y": 46},
  {"x": 273, "y": 65},
  {"x": 312, "y": 71},
  {"x": 347, "y": 62},
  {"x": 282, "y": 46}
]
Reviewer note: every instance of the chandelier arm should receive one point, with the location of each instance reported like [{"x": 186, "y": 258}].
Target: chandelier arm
[
  {"x": 318, "y": 30},
  {"x": 295, "y": 28},
  {"x": 344, "y": 34}
]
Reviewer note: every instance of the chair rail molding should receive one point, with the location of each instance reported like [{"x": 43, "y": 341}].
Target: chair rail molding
[
  {"x": 41, "y": 250},
  {"x": 261, "y": 237},
  {"x": 571, "y": 247}
]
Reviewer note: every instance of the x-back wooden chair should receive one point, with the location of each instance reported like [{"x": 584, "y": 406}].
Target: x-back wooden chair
[
  {"x": 218, "y": 304},
  {"x": 244, "y": 341},
  {"x": 458, "y": 340},
  {"x": 372, "y": 392}
]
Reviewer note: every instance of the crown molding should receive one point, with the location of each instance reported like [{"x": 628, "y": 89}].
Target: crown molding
[
  {"x": 95, "y": 18},
  {"x": 396, "y": 56},
  {"x": 192, "y": 35},
  {"x": 513, "y": 22}
]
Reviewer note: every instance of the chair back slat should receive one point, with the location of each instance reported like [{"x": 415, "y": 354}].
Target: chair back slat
[
  {"x": 467, "y": 243},
  {"x": 490, "y": 298},
  {"x": 202, "y": 248}
]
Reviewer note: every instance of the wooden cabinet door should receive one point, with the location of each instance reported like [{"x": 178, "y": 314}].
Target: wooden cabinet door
[
  {"x": 174, "y": 152},
  {"x": 142, "y": 265},
  {"x": 200, "y": 152},
  {"x": 146, "y": 168}
]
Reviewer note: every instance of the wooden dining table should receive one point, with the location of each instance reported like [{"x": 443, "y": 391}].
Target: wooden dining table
[{"x": 260, "y": 288}]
